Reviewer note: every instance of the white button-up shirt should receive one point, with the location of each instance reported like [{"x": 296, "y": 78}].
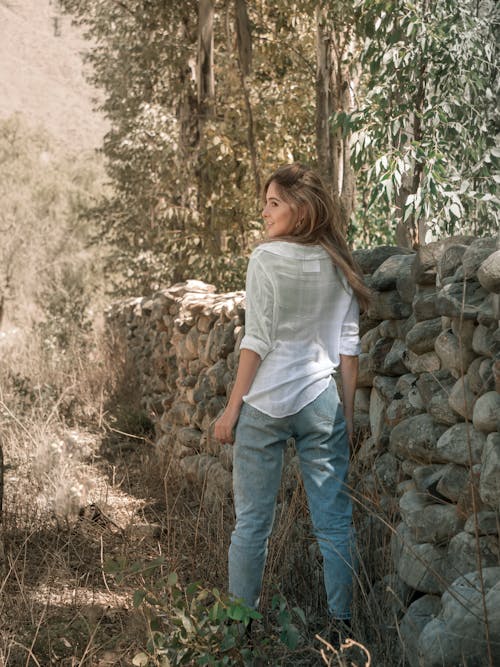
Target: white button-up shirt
[{"x": 301, "y": 314}]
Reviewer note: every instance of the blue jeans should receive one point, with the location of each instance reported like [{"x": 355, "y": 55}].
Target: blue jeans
[{"x": 323, "y": 450}]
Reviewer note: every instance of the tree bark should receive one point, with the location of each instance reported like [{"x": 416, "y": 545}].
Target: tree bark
[{"x": 206, "y": 81}]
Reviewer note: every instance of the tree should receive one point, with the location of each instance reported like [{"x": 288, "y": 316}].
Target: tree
[{"x": 426, "y": 117}]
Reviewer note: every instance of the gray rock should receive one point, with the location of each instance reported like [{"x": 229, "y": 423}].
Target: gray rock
[
  {"x": 390, "y": 328},
  {"x": 450, "y": 260},
  {"x": 463, "y": 330},
  {"x": 416, "y": 438},
  {"x": 362, "y": 399},
  {"x": 486, "y": 412},
  {"x": 385, "y": 277},
  {"x": 369, "y": 339},
  {"x": 426, "y": 477},
  {"x": 489, "y": 484},
  {"x": 379, "y": 353},
  {"x": 425, "y": 306},
  {"x": 460, "y": 300},
  {"x": 370, "y": 259},
  {"x": 366, "y": 323},
  {"x": 474, "y": 376},
  {"x": 428, "y": 362},
  {"x": 189, "y": 437},
  {"x": 455, "y": 484},
  {"x": 428, "y": 521},
  {"x": 440, "y": 409},
  {"x": 484, "y": 342},
  {"x": 386, "y": 386},
  {"x": 422, "y": 336},
  {"x": 457, "y": 636},
  {"x": 461, "y": 443},
  {"x": 463, "y": 551},
  {"x": 405, "y": 284},
  {"x": 462, "y": 399},
  {"x": 394, "y": 361},
  {"x": 419, "y": 614},
  {"x": 386, "y": 469},
  {"x": 216, "y": 376},
  {"x": 430, "y": 383},
  {"x": 476, "y": 253},
  {"x": 378, "y": 406},
  {"x": 428, "y": 256},
  {"x": 487, "y": 523},
  {"x": 488, "y": 273},
  {"x": 388, "y": 306},
  {"x": 453, "y": 353},
  {"x": 487, "y": 313},
  {"x": 421, "y": 565},
  {"x": 401, "y": 408},
  {"x": 365, "y": 373}
]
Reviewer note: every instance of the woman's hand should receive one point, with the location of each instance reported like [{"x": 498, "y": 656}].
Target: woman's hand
[{"x": 224, "y": 426}]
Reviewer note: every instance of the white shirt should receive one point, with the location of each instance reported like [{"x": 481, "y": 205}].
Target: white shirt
[{"x": 301, "y": 314}]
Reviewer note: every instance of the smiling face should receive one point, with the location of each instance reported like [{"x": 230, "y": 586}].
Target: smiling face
[{"x": 278, "y": 215}]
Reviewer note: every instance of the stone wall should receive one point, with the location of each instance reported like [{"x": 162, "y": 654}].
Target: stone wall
[{"x": 428, "y": 396}]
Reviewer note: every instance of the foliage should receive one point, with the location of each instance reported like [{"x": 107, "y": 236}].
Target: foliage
[
  {"x": 44, "y": 259},
  {"x": 193, "y": 625},
  {"x": 187, "y": 625},
  {"x": 426, "y": 121},
  {"x": 187, "y": 173},
  {"x": 186, "y": 201}
]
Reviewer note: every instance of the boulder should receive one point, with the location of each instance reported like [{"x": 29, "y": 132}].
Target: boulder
[
  {"x": 365, "y": 373},
  {"x": 426, "y": 261},
  {"x": 487, "y": 412},
  {"x": 457, "y": 636},
  {"x": 421, "y": 565},
  {"x": 371, "y": 258},
  {"x": 450, "y": 260},
  {"x": 484, "y": 341},
  {"x": 421, "y": 338},
  {"x": 419, "y": 614},
  {"x": 394, "y": 361},
  {"x": 430, "y": 383},
  {"x": 475, "y": 377},
  {"x": 489, "y": 484},
  {"x": 378, "y": 406},
  {"x": 453, "y": 353},
  {"x": 416, "y": 438},
  {"x": 369, "y": 339},
  {"x": 462, "y": 399},
  {"x": 428, "y": 362},
  {"x": 488, "y": 273},
  {"x": 477, "y": 252},
  {"x": 388, "y": 306},
  {"x": 460, "y": 300},
  {"x": 428, "y": 521},
  {"x": 461, "y": 444},
  {"x": 425, "y": 305},
  {"x": 385, "y": 277},
  {"x": 454, "y": 484},
  {"x": 486, "y": 522},
  {"x": 405, "y": 284},
  {"x": 386, "y": 469},
  {"x": 463, "y": 552}
]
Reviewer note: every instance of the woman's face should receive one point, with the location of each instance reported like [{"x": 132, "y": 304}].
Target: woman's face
[{"x": 279, "y": 216}]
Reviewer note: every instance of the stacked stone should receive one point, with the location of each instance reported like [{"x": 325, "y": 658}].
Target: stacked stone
[
  {"x": 429, "y": 392},
  {"x": 184, "y": 345},
  {"x": 430, "y": 388}
]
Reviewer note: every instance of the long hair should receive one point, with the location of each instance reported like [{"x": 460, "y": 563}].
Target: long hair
[{"x": 318, "y": 222}]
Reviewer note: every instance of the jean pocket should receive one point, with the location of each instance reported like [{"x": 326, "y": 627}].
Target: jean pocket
[{"x": 327, "y": 407}]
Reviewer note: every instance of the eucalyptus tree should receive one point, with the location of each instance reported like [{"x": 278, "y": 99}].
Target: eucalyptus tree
[{"x": 427, "y": 116}]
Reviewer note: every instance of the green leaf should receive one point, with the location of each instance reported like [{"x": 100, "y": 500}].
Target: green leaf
[{"x": 138, "y": 598}]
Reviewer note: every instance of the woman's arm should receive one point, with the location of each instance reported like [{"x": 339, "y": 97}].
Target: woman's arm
[
  {"x": 349, "y": 377},
  {"x": 247, "y": 368}
]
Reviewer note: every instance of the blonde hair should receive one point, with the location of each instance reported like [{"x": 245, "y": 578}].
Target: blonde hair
[{"x": 317, "y": 221}]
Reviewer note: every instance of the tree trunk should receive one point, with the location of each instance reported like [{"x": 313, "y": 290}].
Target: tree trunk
[
  {"x": 333, "y": 94},
  {"x": 206, "y": 82}
]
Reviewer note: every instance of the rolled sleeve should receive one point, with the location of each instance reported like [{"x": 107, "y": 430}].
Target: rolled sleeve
[
  {"x": 259, "y": 313},
  {"x": 349, "y": 332}
]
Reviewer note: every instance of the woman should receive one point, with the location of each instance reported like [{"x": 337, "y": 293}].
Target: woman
[{"x": 301, "y": 320}]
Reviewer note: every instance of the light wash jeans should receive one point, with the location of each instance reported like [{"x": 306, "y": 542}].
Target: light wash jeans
[{"x": 323, "y": 450}]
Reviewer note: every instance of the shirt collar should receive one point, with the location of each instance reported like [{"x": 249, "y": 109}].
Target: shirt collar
[{"x": 294, "y": 250}]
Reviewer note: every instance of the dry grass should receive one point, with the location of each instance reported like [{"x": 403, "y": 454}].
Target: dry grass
[{"x": 79, "y": 493}]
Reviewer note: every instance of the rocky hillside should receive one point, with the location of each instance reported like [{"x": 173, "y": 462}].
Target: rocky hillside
[{"x": 41, "y": 72}]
